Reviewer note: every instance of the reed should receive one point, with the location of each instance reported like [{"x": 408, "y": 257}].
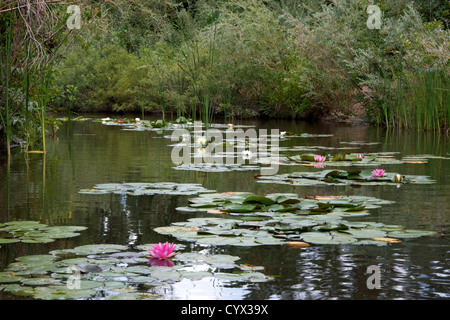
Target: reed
[
  {"x": 43, "y": 99},
  {"x": 416, "y": 101},
  {"x": 208, "y": 111},
  {"x": 27, "y": 102},
  {"x": 197, "y": 63},
  {"x": 6, "y": 118}
]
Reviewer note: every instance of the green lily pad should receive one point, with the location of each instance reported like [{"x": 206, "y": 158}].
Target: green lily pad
[
  {"x": 61, "y": 293},
  {"x": 91, "y": 249},
  {"x": 340, "y": 159},
  {"x": 327, "y": 238},
  {"x": 138, "y": 188},
  {"x": 255, "y": 199},
  {"x": 276, "y": 224},
  {"x": 410, "y": 233},
  {"x": 35, "y": 232},
  {"x": 238, "y": 208},
  {"x": 4, "y": 241},
  {"x": 9, "y": 277},
  {"x": 365, "y": 233},
  {"x": 342, "y": 177},
  {"x": 56, "y": 277},
  {"x": 40, "y": 281},
  {"x": 18, "y": 290}
]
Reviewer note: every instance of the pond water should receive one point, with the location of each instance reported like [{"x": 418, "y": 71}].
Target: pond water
[{"x": 88, "y": 153}]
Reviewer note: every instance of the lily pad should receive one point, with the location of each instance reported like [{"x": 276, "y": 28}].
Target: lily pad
[
  {"x": 343, "y": 177},
  {"x": 259, "y": 200},
  {"x": 410, "y": 233},
  {"x": 327, "y": 238},
  {"x": 61, "y": 293},
  {"x": 339, "y": 159},
  {"x": 207, "y": 167},
  {"x": 238, "y": 208},
  {"x": 40, "y": 281},
  {"x": 138, "y": 189},
  {"x": 35, "y": 232},
  {"x": 9, "y": 277}
]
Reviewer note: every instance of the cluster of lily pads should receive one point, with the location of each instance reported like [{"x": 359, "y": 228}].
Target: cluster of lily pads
[
  {"x": 141, "y": 125},
  {"x": 111, "y": 271},
  {"x": 147, "y": 188},
  {"x": 207, "y": 167},
  {"x": 344, "y": 177},
  {"x": 343, "y": 159},
  {"x": 276, "y": 219},
  {"x": 35, "y": 232}
]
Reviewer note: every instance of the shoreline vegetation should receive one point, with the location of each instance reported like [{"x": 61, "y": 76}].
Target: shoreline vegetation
[{"x": 234, "y": 59}]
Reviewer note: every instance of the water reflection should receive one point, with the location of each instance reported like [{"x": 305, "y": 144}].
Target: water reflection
[
  {"x": 154, "y": 262},
  {"x": 207, "y": 288},
  {"x": 90, "y": 153}
]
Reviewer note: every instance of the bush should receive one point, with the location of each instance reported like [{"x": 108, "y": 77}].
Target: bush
[
  {"x": 269, "y": 58},
  {"x": 106, "y": 78}
]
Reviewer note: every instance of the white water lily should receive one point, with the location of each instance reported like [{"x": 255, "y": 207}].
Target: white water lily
[
  {"x": 185, "y": 136},
  {"x": 247, "y": 154},
  {"x": 201, "y": 141},
  {"x": 282, "y": 133}
]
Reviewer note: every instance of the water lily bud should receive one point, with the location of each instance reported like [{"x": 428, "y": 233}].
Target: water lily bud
[{"x": 397, "y": 178}]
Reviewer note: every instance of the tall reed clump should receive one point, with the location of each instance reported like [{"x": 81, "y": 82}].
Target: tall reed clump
[
  {"x": 417, "y": 101},
  {"x": 196, "y": 59}
]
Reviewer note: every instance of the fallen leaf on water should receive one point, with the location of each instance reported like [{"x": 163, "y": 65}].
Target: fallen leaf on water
[
  {"x": 326, "y": 197},
  {"x": 248, "y": 265},
  {"x": 390, "y": 240},
  {"x": 297, "y": 244},
  {"x": 229, "y": 193},
  {"x": 419, "y": 162},
  {"x": 216, "y": 211}
]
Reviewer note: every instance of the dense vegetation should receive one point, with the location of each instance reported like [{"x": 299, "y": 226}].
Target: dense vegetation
[{"x": 238, "y": 58}]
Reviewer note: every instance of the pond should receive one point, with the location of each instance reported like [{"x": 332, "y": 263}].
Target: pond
[{"x": 54, "y": 191}]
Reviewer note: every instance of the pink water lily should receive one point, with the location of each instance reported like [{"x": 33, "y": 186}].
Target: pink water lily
[
  {"x": 360, "y": 156},
  {"x": 163, "y": 250},
  {"x": 319, "y": 158},
  {"x": 377, "y": 173}
]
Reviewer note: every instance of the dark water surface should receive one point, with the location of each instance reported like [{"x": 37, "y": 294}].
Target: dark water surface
[{"x": 89, "y": 153}]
